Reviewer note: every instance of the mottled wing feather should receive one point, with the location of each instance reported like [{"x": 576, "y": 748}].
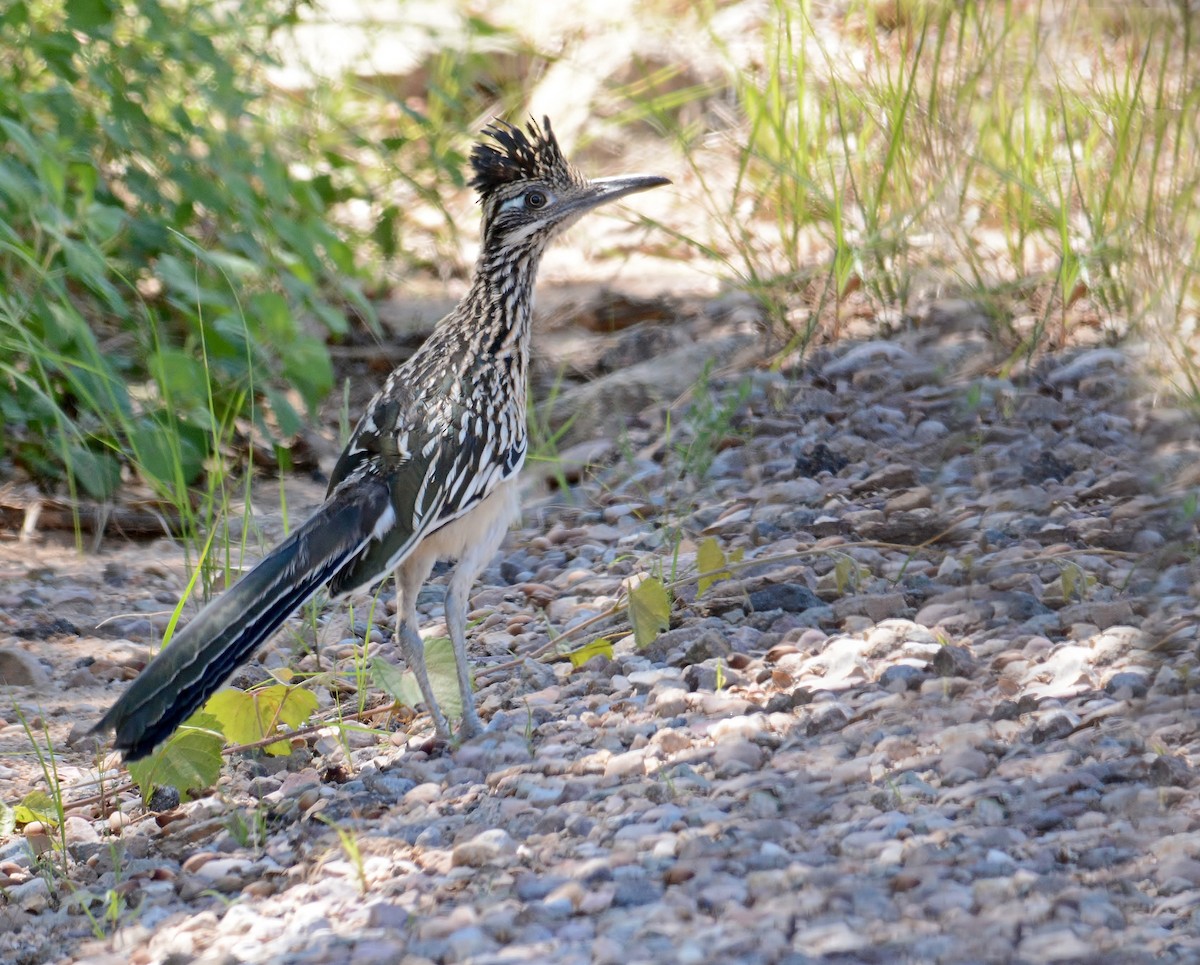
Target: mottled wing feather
[{"x": 438, "y": 465}]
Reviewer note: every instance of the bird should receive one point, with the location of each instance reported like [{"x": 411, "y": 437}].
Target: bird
[{"x": 429, "y": 472}]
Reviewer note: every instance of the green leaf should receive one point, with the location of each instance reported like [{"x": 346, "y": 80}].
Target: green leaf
[
  {"x": 286, "y": 416},
  {"x": 1069, "y": 577},
  {"x": 104, "y": 221},
  {"x": 36, "y": 806},
  {"x": 249, "y": 716},
  {"x": 306, "y": 365},
  {"x": 649, "y": 610},
  {"x": 844, "y": 570},
  {"x": 386, "y": 231},
  {"x": 597, "y": 648},
  {"x": 443, "y": 677},
  {"x": 189, "y": 761},
  {"x": 711, "y": 559},
  {"x": 17, "y": 15},
  {"x": 165, "y": 456},
  {"x": 89, "y": 15},
  {"x": 333, "y": 319},
  {"x": 97, "y": 472},
  {"x": 180, "y": 377},
  {"x": 270, "y": 309}
]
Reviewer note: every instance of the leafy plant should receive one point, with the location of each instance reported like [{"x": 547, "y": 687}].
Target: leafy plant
[
  {"x": 443, "y": 677},
  {"x": 649, "y": 610},
  {"x": 711, "y": 563},
  {"x": 190, "y": 760},
  {"x": 165, "y": 268},
  {"x": 600, "y": 647},
  {"x": 248, "y": 716}
]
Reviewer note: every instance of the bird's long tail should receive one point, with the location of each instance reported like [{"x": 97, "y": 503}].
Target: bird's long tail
[{"x": 207, "y": 651}]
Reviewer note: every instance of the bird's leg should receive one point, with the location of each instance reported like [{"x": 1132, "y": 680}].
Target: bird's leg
[
  {"x": 408, "y": 583},
  {"x": 456, "y": 623},
  {"x": 490, "y": 524}
]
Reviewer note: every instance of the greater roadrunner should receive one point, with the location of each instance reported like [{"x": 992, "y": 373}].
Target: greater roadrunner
[{"x": 429, "y": 473}]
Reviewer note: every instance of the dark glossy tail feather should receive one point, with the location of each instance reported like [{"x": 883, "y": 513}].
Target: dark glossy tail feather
[{"x": 205, "y": 653}]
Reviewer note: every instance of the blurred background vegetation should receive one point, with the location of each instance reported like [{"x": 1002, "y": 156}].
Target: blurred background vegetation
[{"x": 197, "y": 198}]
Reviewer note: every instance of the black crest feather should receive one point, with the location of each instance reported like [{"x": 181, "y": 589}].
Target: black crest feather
[{"x": 520, "y": 156}]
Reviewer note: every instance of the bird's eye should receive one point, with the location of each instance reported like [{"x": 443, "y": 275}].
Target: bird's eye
[{"x": 535, "y": 199}]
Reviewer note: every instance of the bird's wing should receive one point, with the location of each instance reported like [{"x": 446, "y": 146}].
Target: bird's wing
[{"x": 438, "y": 464}]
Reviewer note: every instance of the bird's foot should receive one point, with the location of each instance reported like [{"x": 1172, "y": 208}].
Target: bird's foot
[{"x": 470, "y": 726}]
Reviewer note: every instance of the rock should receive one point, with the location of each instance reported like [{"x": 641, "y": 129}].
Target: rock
[
  {"x": 876, "y": 607},
  {"x": 1100, "y": 613},
  {"x": 1052, "y": 725},
  {"x": 1136, "y": 683},
  {"x": 386, "y": 914},
  {"x": 632, "y": 763},
  {"x": 901, "y": 677},
  {"x": 709, "y": 645},
  {"x": 610, "y": 401},
  {"x": 951, "y": 661},
  {"x": 919, "y": 497},
  {"x": 734, "y": 757},
  {"x": 670, "y": 702},
  {"x": 1167, "y": 770},
  {"x": 32, "y": 896},
  {"x": 644, "y": 681},
  {"x": 1088, "y": 363},
  {"x": 890, "y": 477},
  {"x": 487, "y": 847},
  {"x": 958, "y": 618},
  {"x": 824, "y": 718},
  {"x": 688, "y": 645},
  {"x": 791, "y": 597},
  {"x": 861, "y": 356},
  {"x": 21, "y": 669}
]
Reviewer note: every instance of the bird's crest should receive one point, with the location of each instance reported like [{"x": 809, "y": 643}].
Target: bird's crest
[{"x": 521, "y": 156}]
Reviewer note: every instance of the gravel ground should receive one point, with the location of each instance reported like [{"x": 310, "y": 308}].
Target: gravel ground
[{"x": 942, "y": 714}]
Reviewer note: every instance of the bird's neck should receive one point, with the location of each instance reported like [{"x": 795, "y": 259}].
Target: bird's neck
[{"x": 502, "y": 295}]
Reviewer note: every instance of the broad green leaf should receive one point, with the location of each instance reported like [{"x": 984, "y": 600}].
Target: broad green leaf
[
  {"x": 104, "y": 221},
  {"x": 159, "y": 454},
  {"x": 17, "y": 15},
  {"x": 711, "y": 559},
  {"x": 249, "y": 716},
  {"x": 597, "y": 648},
  {"x": 181, "y": 378},
  {"x": 306, "y": 365},
  {"x": 8, "y": 820},
  {"x": 844, "y": 570},
  {"x": 649, "y": 610},
  {"x": 189, "y": 761},
  {"x": 443, "y": 677},
  {"x": 1070, "y": 581},
  {"x": 88, "y": 15},
  {"x": 334, "y": 320},
  {"x": 36, "y": 806},
  {"x": 97, "y": 472},
  {"x": 270, "y": 310},
  {"x": 286, "y": 416},
  {"x": 234, "y": 267}
]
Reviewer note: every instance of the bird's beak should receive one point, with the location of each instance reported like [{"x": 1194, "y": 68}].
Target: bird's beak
[{"x": 603, "y": 190}]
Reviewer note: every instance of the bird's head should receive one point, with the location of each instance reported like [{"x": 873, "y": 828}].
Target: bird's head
[{"x": 530, "y": 192}]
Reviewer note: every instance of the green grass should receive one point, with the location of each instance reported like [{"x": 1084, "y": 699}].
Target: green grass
[
  {"x": 848, "y": 162},
  {"x": 1042, "y": 156}
]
